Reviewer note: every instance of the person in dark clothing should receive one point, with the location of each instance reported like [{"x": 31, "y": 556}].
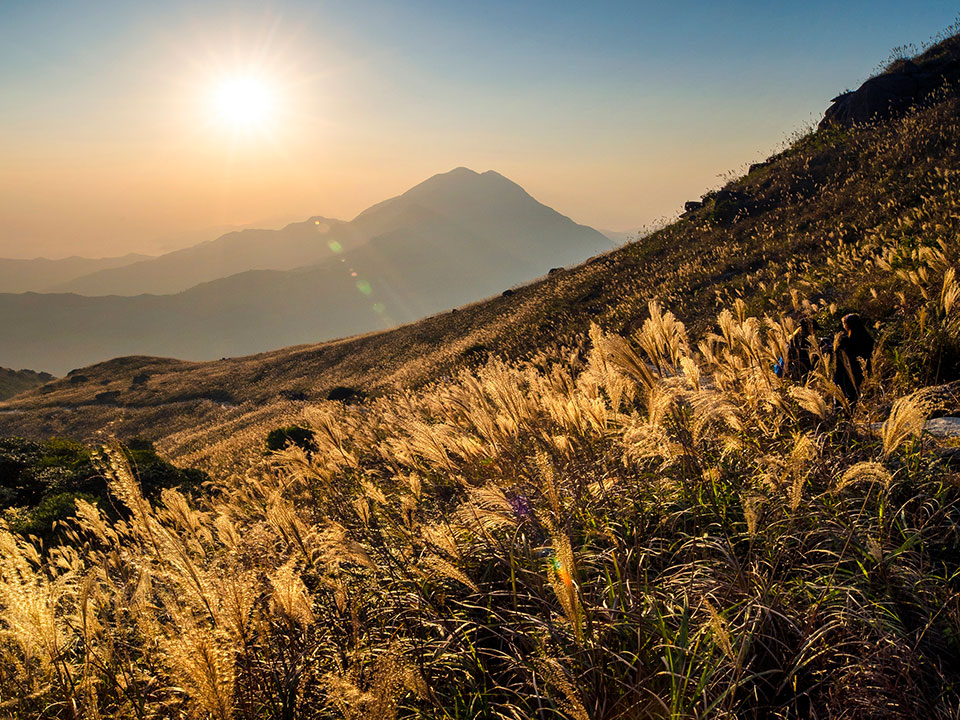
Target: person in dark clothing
[
  {"x": 799, "y": 348},
  {"x": 850, "y": 347}
]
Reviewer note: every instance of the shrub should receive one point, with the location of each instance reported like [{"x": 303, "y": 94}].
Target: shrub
[
  {"x": 40, "y": 478},
  {"x": 42, "y": 520},
  {"x": 291, "y": 435},
  {"x": 346, "y": 394}
]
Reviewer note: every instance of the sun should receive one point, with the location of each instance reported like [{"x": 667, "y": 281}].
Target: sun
[{"x": 243, "y": 102}]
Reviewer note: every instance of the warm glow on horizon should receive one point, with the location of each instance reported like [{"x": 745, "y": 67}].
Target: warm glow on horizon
[{"x": 244, "y": 102}]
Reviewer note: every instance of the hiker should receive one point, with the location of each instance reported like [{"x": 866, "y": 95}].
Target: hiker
[
  {"x": 800, "y": 349},
  {"x": 849, "y": 348}
]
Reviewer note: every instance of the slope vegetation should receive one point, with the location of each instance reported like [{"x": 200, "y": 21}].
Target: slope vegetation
[{"x": 805, "y": 227}]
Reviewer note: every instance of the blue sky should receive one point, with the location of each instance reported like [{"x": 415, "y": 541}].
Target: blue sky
[{"x": 612, "y": 112}]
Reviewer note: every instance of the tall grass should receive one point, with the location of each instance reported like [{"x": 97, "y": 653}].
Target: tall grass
[{"x": 648, "y": 530}]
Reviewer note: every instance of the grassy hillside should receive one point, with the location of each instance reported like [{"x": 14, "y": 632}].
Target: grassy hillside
[{"x": 629, "y": 515}]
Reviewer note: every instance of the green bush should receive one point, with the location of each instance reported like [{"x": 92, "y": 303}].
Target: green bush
[
  {"x": 39, "y": 481},
  {"x": 292, "y": 434},
  {"x": 342, "y": 393},
  {"x": 42, "y": 520}
]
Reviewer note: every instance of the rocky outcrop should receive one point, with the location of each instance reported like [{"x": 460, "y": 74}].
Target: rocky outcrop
[
  {"x": 943, "y": 427},
  {"x": 903, "y": 85}
]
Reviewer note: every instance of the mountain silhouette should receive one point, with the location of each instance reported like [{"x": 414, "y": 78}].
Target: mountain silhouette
[
  {"x": 450, "y": 240},
  {"x": 518, "y": 227},
  {"x": 13, "y": 382}
]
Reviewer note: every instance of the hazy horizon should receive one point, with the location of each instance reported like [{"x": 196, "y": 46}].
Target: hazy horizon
[{"x": 613, "y": 114}]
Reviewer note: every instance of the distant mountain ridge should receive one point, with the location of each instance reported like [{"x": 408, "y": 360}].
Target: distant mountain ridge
[
  {"x": 457, "y": 195},
  {"x": 44, "y": 275},
  {"x": 453, "y": 239},
  {"x": 297, "y": 244},
  {"x": 14, "y": 382}
]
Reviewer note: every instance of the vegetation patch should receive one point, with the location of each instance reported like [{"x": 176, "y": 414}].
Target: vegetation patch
[
  {"x": 297, "y": 435},
  {"x": 345, "y": 394},
  {"x": 657, "y": 525},
  {"x": 39, "y": 482}
]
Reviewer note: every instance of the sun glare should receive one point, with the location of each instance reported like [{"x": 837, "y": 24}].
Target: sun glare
[{"x": 244, "y": 102}]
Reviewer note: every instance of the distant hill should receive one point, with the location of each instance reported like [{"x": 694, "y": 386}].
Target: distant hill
[
  {"x": 501, "y": 220},
  {"x": 43, "y": 275},
  {"x": 621, "y": 237},
  {"x": 453, "y": 239},
  {"x": 297, "y": 244},
  {"x": 14, "y": 382}
]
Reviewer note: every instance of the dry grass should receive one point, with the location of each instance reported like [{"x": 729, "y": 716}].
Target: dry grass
[{"x": 647, "y": 531}]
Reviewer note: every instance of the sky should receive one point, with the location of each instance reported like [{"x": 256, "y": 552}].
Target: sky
[{"x": 116, "y": 137}]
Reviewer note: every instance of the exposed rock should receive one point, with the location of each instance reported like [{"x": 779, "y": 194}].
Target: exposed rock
[
  {"x": 902, "y": 86},
  {"x": 878, "y": 98},
  {"x": 943, "y": 427},
  {"x": 946, "y": 399},
  {"x": 346, "y": 395},
  {"x": 108, "y": 397}
]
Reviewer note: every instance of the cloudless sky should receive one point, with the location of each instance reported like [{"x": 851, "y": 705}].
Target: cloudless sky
[{"x": 611, "y": 112}]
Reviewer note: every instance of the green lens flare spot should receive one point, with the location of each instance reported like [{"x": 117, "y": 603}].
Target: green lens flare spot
[
  {"x": 364, "y": 287},
  {"x": 335, "y": 247},
  {"x": 379, "y": 307}
]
